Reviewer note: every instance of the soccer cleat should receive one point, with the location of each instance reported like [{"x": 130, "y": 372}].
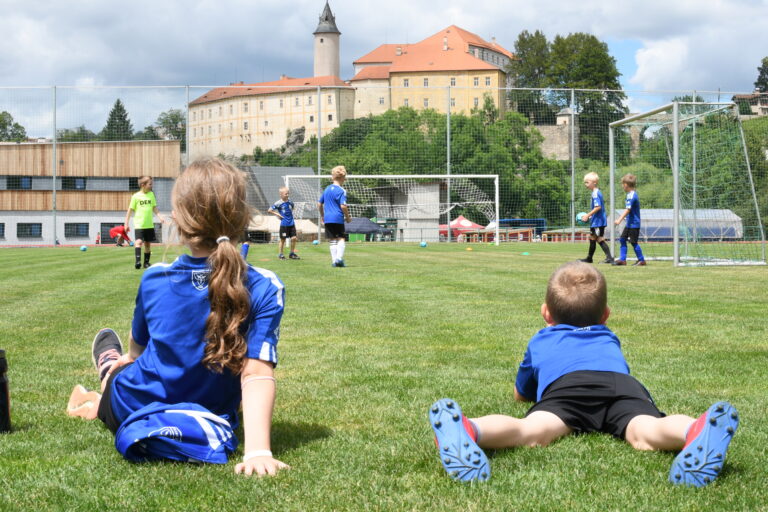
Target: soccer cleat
[
  {"x": 460, "y": 455},
  {"x": 340, "y": 263},
  {"x": 294, "y": 256},
  {"x": 609, "y": 261},
  {"x": 138, "y": 265},
  {"x": 281, "y": 256},
  {"x": 147, "y": 265},
  {"x": 640, "y": 263},
  {"x": 83, "y": 403},
  {"x": 619, "y": 263},
  {"x": 703, "y": 455},
  {"x": 586, "y": 260},
  {"x": 105, "y": 350}
]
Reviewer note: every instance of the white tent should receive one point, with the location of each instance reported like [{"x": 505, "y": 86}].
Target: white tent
[{"x": 271, "y": 224}]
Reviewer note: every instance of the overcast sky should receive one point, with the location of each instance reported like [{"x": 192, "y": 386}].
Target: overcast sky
[{"x": 659, "y": 45}]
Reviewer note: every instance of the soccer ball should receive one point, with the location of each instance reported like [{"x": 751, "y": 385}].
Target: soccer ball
[
  {"x": 315, "y": 242},
  {"x": 83, "y": 248},
  {"x": 580, "y": 222},
  {"x": 423, "y": 244},
  {"x": 130, "y": 243}
]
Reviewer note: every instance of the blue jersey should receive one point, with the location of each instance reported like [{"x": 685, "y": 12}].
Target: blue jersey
[
  {"x": 333, "y": 197},
  {"x": 633, "y": 205},
  {"x": 598, "y": 219},
  {"x": 169, "y": 320},
  {"x": 284, "y": 208},
  {"x": 560, "y": 349}
]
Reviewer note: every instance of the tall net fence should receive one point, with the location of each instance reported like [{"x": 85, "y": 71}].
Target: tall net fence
[{"x": 70, "y": 156}]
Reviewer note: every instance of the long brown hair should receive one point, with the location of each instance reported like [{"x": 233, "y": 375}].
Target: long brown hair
[{"x": 209, "y": 203}]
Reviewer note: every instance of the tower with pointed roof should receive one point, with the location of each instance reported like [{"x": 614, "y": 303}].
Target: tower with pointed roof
[{"x": 327, "y": 44}]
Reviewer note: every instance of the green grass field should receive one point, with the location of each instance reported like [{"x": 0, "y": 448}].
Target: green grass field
[{"x": 364, "y": 351}]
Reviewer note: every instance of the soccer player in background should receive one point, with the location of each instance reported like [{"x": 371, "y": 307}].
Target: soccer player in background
[
  {"x": 332, "y": 206},
  {"x": 575, "y": 372},
  {"x": 144, "y": 204},
  {"x": 203, "y": 340},
  {"x": 119, "y": 235},
  {"x": 284, "y": 210},
  {"x": 598, "y": 220},
  {"x": 632, "y": 227}
]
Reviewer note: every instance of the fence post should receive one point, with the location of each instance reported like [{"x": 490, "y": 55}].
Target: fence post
[
  {"x": 54, "y": 165},
  {"x": 573, "y": 166},
  {"x": 448, "y": 166},
  {"x": 319, "y": 155}
]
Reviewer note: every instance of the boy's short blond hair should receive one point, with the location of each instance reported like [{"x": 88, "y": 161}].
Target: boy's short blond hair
[
  {"x": 143, "y": 180},
  {"x": 283, "y": 189},
  {"x": 629, "y": 180},
  {"x": 577, "y": 295},
  {"x": 339, "y": 172},
  {"x": 592, "y": 176}
]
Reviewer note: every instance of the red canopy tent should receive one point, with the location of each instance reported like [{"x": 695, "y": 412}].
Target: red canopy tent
[{"x": 460, "y": 225}]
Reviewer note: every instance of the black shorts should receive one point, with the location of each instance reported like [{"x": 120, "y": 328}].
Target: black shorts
[
  {"x": 145, "y": 235},
  {"x": 589, "y": 401},
  {"x": 598, "y": 232},
  {"x": 105, "y": 413},
  {"x": 287, "y": 231},
  {"x": 631, "y": 234},
  {"x": 334, "y": 230}
]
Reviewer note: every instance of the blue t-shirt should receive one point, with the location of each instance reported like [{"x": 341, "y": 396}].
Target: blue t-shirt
[
  {"x": 333, "y": 197},
  {"x": 284, "y": 208},
  {"x": 598, "y": 219},
  {"x": 560, "y": 349},
  {"x": 169, "y": 320},
  {"x": 633, "y": 205}
]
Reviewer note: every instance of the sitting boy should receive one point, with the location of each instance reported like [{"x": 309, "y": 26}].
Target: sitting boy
[{"x": 577, "y": 374}]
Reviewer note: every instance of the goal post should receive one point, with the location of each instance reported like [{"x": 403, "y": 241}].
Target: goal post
[
  {"x": 410, "y": 207},
  {"x": 694, "y": 180}
]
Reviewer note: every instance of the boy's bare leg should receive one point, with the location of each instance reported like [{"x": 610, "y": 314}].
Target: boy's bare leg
[
  {"x": 83, "y": 403},
  {"x": 540, "y": 428},
  {"x": 648, "y": 433}
]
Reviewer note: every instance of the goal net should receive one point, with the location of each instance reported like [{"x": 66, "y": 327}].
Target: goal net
[
  {"x": 694, "y": 181},
  {"x": 410, "y": 208}
]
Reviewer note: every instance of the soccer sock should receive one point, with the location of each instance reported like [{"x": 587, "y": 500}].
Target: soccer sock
[
  {"x": 471, "y": 428},
  {"x": 332, "y": 245},
  {"x": 606, "y": 249},
  {"x": 147, "y": 255},
  {"x": 695, "y": 429},
  {"x": 623, "y": 250},
  {"x": 638, "y": 252},
  {"x": 340, "y": 249},
  {"x": 592, "y": 247},
  {"x": 137, "y": 252}
]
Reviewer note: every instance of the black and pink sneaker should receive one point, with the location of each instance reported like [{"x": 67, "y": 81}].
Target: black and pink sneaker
[
  {"x": 703, "y": 455},
  {"x": 106, "y": 349},
  {"x": 456, "y": 443}
]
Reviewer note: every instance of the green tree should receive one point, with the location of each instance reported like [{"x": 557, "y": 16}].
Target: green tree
[
  {"x": 79, "y": 134},
  {"x": 761, "y": 84},
  {"x": 118, "y": 125},
  {"x": 172, "y": 124},
  {"x": 531, "y": 70},
  {"x": 10, "y": 130},
  {"x": 148, "y": 133}
]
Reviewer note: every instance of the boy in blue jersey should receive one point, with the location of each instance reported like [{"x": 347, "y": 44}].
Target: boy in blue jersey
[
  {"x": 284, "y": 210},
  {"x": 576, "y": 374},
  {"x": 203, "y": 340},
  {"x": 597, "y": 219},
  {"x": 632, "y": 228},
  {"x": 332, "y": 206}
]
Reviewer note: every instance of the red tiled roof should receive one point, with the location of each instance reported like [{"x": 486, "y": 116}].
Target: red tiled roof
[
  {"x": 372, "y": 73},
  {"x": 384, "y": 53},
  {"x": 286, "y": 84}
]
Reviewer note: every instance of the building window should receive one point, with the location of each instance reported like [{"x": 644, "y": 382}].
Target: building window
[
  {"x": 19, "y": 183},
  {"x": 309, "y": 100},
  {"x": 218, "y": 128},
  {"x": 281, "y": 102},
  {"x": 426, "y": 82},
  {"x": 476, "y": 81},
  {"x": 476, "y": 102},
  {"x": 330, "y": 99},
  {"x": 2, "y": 229},
  {"x": 210, "y": 129},
  {"x": 245, "y": 107},
  {"x": 405, "y": 102},
  {"x": 194, "y": 115},
  {"x": 70, "y": 183},
  {"x": 133, "y": 183},
  {"x": 453, "y": 81},
  {"x": 406, "y": 82},
  {"x": 230, "y": 110},
  {"x": 453, "y": 102},
  {"x": 29, "y": 230},
  {"x": 261, "y": 105},
  {"x": 381, "y": 100},
  {"x": 487, "y": 81},
  {"x": 231, "y": 126},
  {"x": 297, "y": 101},
  {"x": 266, "y": 123},
  {"x": 426, "y": 102},
  {"x": 245, "y": 125},
  {"x": 311, "y": 119},
  {"x": 209, "y": 113},
  {"x": 219, "y": 110},
  {"x": 194, "y": 132},
  {"x": 330, "y": 117},
  {"x": 76, "y": 230}
]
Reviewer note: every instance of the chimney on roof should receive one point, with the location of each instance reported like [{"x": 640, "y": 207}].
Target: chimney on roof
[
  {"x": 399, "y": 51},
  {"x": 283, "y": 77},
  {"x": 445, "y": 43},
  {"x": 493, "y": 40}
]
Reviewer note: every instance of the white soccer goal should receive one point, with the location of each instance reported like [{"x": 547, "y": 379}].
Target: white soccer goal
[
  {"x": 694, "y": 180},
  {"x": 410, "y": 208}
]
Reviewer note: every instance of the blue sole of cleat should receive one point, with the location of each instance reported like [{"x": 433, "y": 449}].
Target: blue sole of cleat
[
  {"x": 702, "y": 460},
  {"x": 461, "y": 457}
]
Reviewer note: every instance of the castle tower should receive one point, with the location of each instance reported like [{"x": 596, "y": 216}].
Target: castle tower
[{"x": 327, "y": 44}]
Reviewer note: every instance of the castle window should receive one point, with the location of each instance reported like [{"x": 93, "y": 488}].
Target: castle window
[
  {"x": 487, "y": 81},
  {"x": 230, "y": 110},
  {"x": 209, "y": 113},
  {"x": 311, "y": 119},
  {"x": 309, "y": 100},
  {"x": 281, "y": 102},
  {"x": 453, "y": 102},
  {"x": 330, "y": 99},
  {"x": 476, "y": 81},
  {"x": 261, "y": 105},
  {"x": 194, "y": 116},
  {"x": 330, "y": 117},
  {"x": 381, "y": 100},
  {"x": 426, "y": 102},
  {"x": 245, "y": 107},
  {"x": 219, "y": 110},
  {"x": 245, "y": 125},
  {"x": 453, "y": 81},
  {"x": 297, "y": 101},
  {"x": 426, "y": 82},
  {"x": 476, "y": 102},
  {"x": 405, "y": 102},
  {"x": 406, "y": 82}
]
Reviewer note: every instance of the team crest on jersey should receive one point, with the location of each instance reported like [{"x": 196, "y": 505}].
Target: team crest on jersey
[
  {"x": 170, "y": 431},
  {"x": 200, "y": 279}
]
